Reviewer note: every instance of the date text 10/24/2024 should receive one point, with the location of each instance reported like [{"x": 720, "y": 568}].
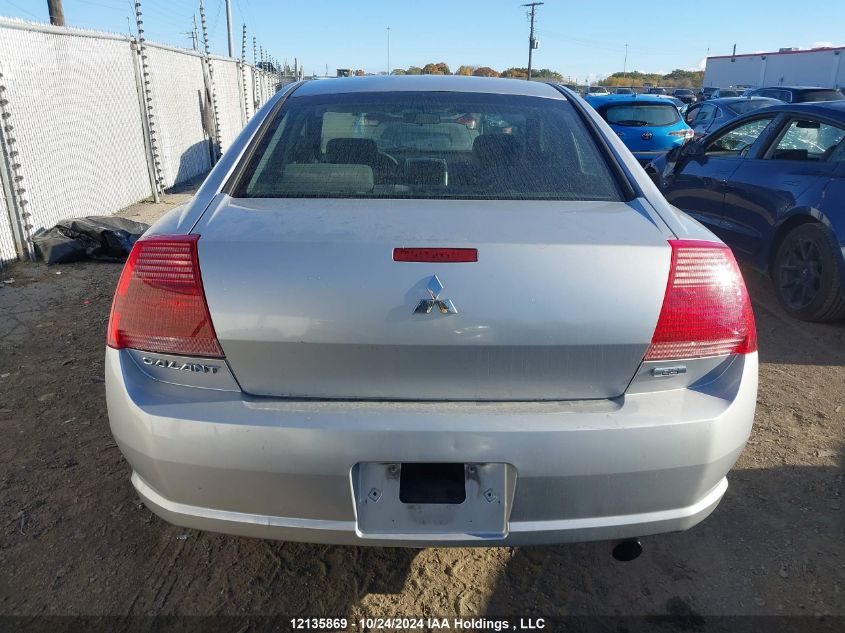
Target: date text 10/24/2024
[{"x": 411, "y": 623}]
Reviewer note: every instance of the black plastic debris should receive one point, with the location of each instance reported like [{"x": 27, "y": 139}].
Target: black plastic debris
[{"x": 104, "y": 238}]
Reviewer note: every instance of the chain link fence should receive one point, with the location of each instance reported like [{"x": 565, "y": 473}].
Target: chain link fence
[
  {"x": 227, "y": 81},
  {"x": 92, "y": 122},
  {"x": 7, "y": 244},
  {"x": 181, "y": 102}
]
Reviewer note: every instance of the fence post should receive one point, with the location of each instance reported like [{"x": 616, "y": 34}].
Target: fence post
[
  {"x": 245, "y": 104},
  {"x": 11, "y": 180},
  {"x": 145, "y": 97},
  {"x": 255, "y": 97},
  {"x": 218, "y": 141}
]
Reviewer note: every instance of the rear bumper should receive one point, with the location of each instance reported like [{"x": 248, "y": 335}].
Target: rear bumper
[{"x": 592, "y": 470}]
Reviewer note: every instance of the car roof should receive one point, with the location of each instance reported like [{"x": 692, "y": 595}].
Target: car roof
[
  {"x": 730, "y": 100},
  {"x": 635, "y": 98},
  {"x": 796, "y": 88},
  {"x": 829, "y": 109},
  {"x": 427, "y": 83}
]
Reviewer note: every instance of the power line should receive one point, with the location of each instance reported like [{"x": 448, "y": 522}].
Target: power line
[{"x": 20, "y": 8}]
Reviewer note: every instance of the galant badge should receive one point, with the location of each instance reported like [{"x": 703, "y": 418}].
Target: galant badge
[{"x": 434, "y": 288}]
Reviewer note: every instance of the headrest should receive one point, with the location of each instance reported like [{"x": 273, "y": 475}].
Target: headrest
[
  {"x": 351, "y": 151},
  {"x": 497, "y": 149}
]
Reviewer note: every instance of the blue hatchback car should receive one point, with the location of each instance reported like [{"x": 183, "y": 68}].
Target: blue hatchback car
[
  {"x": 648, "y": 125},
  {"x": 771, "y": 184}
]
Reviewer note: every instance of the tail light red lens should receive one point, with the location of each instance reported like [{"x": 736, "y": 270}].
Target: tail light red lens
[
  {"x": 160, "y": 305},
  {"x": 687, "y": 133},
  {"x": 706, "y": 310}
]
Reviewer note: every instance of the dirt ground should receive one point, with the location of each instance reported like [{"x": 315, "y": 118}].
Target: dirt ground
[{"x": 75, "y": 539}]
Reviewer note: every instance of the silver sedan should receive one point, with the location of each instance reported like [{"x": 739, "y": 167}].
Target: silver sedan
[{"x": 430, "y": 311}]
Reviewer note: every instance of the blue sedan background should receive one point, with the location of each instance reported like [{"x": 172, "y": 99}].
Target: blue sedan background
[
  {"x": 771, "y": 184},
  {"x": 648, "y": 125}
]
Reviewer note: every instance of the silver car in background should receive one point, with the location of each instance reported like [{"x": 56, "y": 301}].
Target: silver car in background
[{"x": 430, "y": 311}]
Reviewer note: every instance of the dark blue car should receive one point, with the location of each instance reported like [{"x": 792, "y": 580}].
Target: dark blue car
[{"x": 771, "y": 184}]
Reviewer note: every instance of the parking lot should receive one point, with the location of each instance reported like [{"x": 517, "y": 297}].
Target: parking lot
[{"x": 76, "y": 540}]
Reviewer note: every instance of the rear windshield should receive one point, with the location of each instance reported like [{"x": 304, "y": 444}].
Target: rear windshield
[
  {"x": 447, "y": 145},
  {"x": 729, "y": 93},
  {"x": 821, "y": 95},
  {"x": 741, "y": 107},
  {"x": 683, "y": 92},
  {"x": 641, "y": 114}
]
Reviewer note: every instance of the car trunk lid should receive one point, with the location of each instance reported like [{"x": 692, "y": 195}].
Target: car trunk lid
[{"x": 307, "y": 301}]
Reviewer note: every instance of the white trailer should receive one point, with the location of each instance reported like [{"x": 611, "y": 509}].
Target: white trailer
[{"x": 822, "y": 67}]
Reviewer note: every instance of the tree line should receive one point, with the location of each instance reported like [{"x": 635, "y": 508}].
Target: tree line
[
  {"x": 678, "y": 78},
  {"x": 442, "y": 68}
]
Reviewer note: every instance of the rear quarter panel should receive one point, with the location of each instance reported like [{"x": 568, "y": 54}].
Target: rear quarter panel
[{"x": 832, "y": 210}]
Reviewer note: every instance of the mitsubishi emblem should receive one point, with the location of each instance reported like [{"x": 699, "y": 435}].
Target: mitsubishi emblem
[{"x": 434, "y": 288}]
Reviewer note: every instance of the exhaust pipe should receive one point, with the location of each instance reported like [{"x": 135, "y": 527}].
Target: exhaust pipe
[{"x": 627, "y": 551}]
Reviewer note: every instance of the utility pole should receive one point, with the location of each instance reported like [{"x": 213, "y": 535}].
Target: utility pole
[
  {"x": 388, "y": 50},
  {"x": 229, "y": 27},
  {"x": 57, "y": 14},
  {"x": 532, "y": 43},
  {"x": 625, "y": 63}
]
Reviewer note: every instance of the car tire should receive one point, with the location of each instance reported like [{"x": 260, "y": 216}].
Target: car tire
[{"x": 807, "y": 274}]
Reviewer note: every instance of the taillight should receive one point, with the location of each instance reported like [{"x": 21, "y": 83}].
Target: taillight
[
  {"x": 687, "y": 133},
  {"x": 159, "y": 305},
  {"x": 706, "y": 310}
]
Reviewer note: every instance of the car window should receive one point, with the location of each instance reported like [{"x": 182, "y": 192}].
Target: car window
[
  {"x": 821, "y": 95},
  {"x": 691, "y": 113},
  {"x": 807, "y": 140},
  {"x": 738, "y": 139},
  {"x": 641, "y": 114},
  {"x": 443, "y": 145},
  {"x": 744, "y": 107},
  {"x": 705, "y": 114}
]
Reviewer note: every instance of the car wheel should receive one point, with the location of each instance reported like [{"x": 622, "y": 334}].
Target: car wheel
[{"x": 807, "y": 275}]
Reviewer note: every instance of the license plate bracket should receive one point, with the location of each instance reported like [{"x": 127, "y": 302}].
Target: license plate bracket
[{"x": 433, "y": 500}]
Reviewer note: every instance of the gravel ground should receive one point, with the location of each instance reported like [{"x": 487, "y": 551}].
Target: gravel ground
[{"x": 75, "y": 539}]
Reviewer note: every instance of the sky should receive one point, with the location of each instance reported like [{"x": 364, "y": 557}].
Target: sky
[{"x": 582, "y": 40}]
